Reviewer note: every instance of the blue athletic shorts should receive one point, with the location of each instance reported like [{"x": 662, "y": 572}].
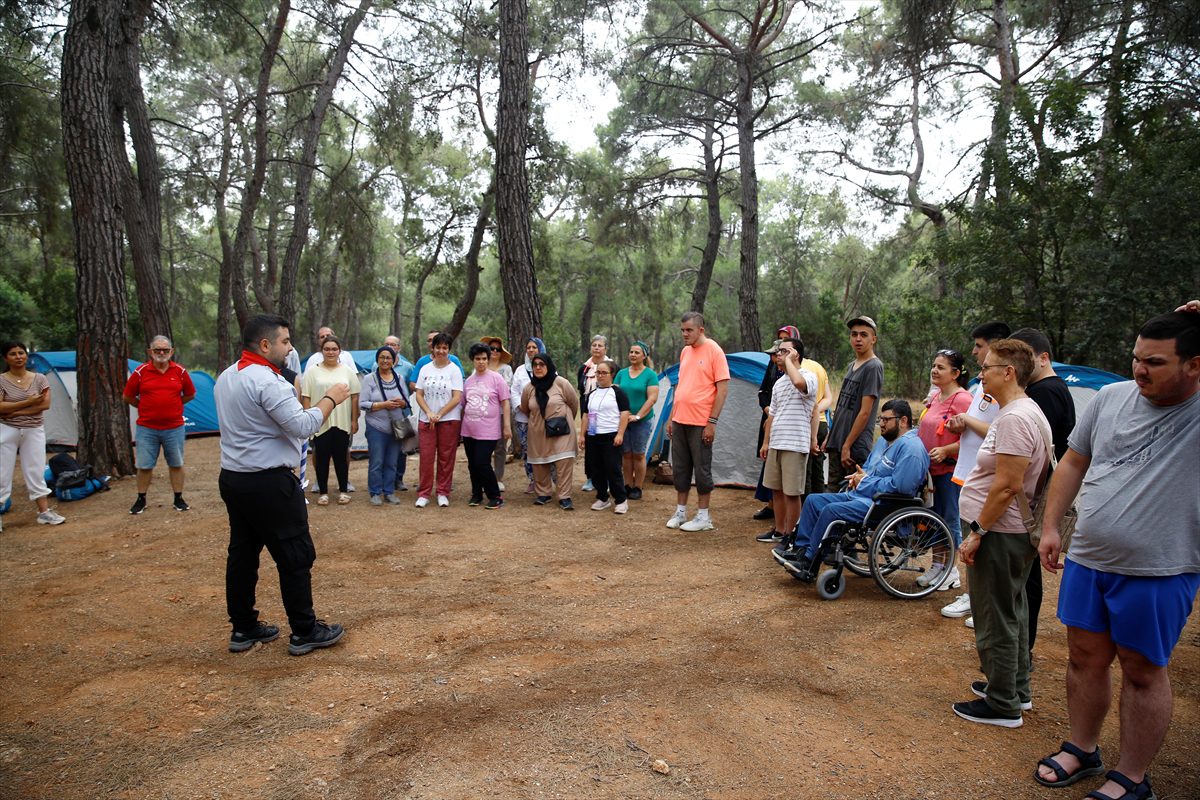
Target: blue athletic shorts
[
  {"x": 1142, "y": 613},
  {"x": 637, "y": 436},
  {"x": 149, "y": 440}
]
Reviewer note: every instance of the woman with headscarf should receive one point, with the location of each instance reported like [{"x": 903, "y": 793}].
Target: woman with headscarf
[
  {"x": 774, "y": 370},
  {"x": 499, "y": 360},
  {"x": 522, "y": 375},
  {"x": 585, "y": 378},
  {"x": 552, "y": 405},
  {"x": 384, "y": 398},
  {"x": 640, "y": 383}
]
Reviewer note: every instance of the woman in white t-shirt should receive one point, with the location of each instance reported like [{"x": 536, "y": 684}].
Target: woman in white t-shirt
[
  {"x": 439, "y": 390},
  {"x": 332, "y": 442},
  {"x": 606, "y": 413}
]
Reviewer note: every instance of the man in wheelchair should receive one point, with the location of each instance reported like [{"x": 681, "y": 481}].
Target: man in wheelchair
[{"x": 897, "y": 465}]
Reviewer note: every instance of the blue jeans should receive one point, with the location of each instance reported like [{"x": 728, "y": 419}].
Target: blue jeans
[
  {"x": 149, "y": 440},
  {"x": 945, "y": 504},
  {"x": 382, "y": 451},
  {"x": 820, "y": 510}
]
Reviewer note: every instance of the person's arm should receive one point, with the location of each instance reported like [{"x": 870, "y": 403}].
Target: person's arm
[
  {"x": 1064, "y": 487},
  {"x": 354, "y": 411},
  {"x": 648, "y": 406},
  {"x": 826, "y": 400},
  {"x": 912, "y": 462},
  {"x": 623, "y": 407},
  {"x": 296, "y": 421},
  {"x": 1009, "y": 479},
  {"x": 710, "y": 430},
  {"x": 131, "y": 395},
  {"x": 505, "y": 419},
  {"x": 419, "y": 396},
  {"x": 455, "y": 399},
  {"x": 570, "y": 398},
  {"x": 188, "y": 388},
  {"x": 766, "y": 445},
  {"x": 865, "y": 405},
  {"x": 798, "y": 378},
  {"x": 10, "y": 408}
]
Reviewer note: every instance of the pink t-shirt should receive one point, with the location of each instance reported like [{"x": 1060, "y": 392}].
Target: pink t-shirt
[
  {"x": 700, "y": 369},
  {"x": 1017, "y": 431},
  {"x": 482, "y": 401},
  {"x": 932, "y": 429}
]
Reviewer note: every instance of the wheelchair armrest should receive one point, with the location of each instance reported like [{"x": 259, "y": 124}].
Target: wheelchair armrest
[
  {"x": 895, "y": 497},
  {"x": 885, "y": 503}
]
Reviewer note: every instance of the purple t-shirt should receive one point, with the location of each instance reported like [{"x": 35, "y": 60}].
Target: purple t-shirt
[{"x": 482, "y": 401}]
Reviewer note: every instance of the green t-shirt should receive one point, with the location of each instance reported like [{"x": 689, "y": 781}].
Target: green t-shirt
[{"x": 637, "y": 388}]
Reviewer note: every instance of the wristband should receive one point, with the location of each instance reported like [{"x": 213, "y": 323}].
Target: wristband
[
  {"x": 330, "y": 399},
  {"x": 712, "y": 420}
]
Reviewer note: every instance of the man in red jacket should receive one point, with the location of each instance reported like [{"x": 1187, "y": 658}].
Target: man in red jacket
[{"x": 158, "y": 389}]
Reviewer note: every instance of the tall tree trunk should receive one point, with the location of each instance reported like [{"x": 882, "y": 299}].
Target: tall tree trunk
[
  {"x": 94, "y": 170},
  {"x": 471, "y": 265},
  {"x": 1006, "y": 97},
  {"x": 712, "y": 202},
  {"x": 748, "y": 283},
  {"x": 518, "y": 277},
  {"x": 141, "y": 193},
  {"x": 301, "y": 202}
]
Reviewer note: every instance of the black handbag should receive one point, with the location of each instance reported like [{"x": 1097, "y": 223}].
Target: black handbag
[
  {"x": 557, "y": 426},
  {"x": 401, "y": 428}
]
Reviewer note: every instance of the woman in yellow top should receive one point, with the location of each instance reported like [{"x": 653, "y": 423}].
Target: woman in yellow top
[{"x": 333, "y": 439}]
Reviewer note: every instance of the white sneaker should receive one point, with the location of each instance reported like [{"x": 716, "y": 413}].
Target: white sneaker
[
  {"x": 422, "y": 502},
  {"x": 952, "y": 581},
  {"x": 969, "y": 622},
  {"x": 931, "y": 576},
  {"x": 587, "y": 486},
  {"x": 500, "y": 485},
  {"x": 961, "y": 607},
  {"x": 621, "y": 508},
  {"x": 697, "y": 524},
  {"x": 676, "y": 521},
  {"x": 600, "y": 505},
  {"x": 50, "y": 517},
  {"x": 443, "y": 501}
]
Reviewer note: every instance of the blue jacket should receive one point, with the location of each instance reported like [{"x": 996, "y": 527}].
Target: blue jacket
[{"x": 899, "y": 466}]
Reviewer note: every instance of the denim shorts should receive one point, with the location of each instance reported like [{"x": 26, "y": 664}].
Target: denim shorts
[
  {"x": 150, "y": 439},
  {"x": 637, "y": 436},
  {"x": 1142, "y": 613}
]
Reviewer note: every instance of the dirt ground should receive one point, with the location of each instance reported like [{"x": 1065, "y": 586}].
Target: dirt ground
[{"x": 520, "y": 653}]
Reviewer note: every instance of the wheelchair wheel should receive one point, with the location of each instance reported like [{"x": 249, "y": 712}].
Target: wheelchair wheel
[
  {"x": 909, "y": 543},
  {"x": 831, "y": 584},
  {"x": 857, "y": 558}
]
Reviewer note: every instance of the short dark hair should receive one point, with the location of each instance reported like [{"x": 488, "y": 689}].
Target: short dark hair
[
  {"x": 901, "y": 408},
  {"x": 262, "y": 326},
  {"x": 478, "y": 349},
  {"x": 990, "y": 331},
  {"x": 693, "y": 316},
  {"x": 1019, "y": 355},
  {"x": 9, "y": 345},
  {"x": 1039, "y": 341},
  {"x": 442, "y": 338},
  {"x": 797, "y": 343},
  {"x": 1181, "y": 326},
  {"x": 331, "y": 338}
]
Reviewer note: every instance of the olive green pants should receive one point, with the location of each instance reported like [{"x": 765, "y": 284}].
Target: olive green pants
[{"x": 997, "y": 580}]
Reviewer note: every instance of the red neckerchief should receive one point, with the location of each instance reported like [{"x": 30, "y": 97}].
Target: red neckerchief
[{"x": 249, "y": 358}]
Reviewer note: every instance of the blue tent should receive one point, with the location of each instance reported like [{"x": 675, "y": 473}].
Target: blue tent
[{"x": 1083, "y": 382}]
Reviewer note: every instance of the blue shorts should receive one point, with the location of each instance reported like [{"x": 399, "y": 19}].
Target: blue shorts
[
  {"x": 150, "y": 439},
  {"x": 637, "y": 436},
  {"x": 1142, "y": 613}
]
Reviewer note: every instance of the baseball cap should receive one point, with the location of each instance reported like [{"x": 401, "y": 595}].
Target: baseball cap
[
  {"x": 775, "y": 347},
  {"x": 863, "y": 320}
]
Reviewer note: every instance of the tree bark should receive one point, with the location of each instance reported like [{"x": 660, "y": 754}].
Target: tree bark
[
  {"x": 712, "y": 202},
  {"x": 518, "y": 277},
  {"x": 94, "y": 169},
  {"x": 748, "y": 281},
  {"x": 301, "y": 202}
]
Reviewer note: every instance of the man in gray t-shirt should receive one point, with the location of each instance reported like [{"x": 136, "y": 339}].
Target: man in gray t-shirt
[
  {"x": 852, "y": 433},
  {"x": 1133, "y": 572}
]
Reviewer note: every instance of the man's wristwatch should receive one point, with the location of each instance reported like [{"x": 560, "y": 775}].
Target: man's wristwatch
[{"x": 976, "y": 529}]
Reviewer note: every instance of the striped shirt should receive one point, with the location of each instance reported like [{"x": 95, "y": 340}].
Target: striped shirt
[
  {"x": 791, "y": 413},
  {"x": 10, "y": 392}
]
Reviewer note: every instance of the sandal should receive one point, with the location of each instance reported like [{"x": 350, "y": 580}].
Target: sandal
[
  {"x": 1133, "y": 791},
  {"x": 343, "y": 499},
  {"x": 323, "y": 500},
  {"x": 1089, "y": 764}
]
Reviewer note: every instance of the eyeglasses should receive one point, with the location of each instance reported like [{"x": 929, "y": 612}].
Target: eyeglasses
[
  {"x": 162, "y": 350},
  {"x": 883, "y": 419},
  {"x": 497, "y": 349},
  {"x": 993, "y": 366}
]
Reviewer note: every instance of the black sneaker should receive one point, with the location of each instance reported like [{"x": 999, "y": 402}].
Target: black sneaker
[
  {"x": 802, "y": 568},
  {"x": 239, "y": 641},
  {"x": 494, "y": 504},
  {"x": 979, "y": 688},
  {"x": 542, "y": 499},
  {"x": 979, "y": 711},
  {"x": 788, "y": 555},
  {"x": 181, "y": 505},
  {"x": 566, "y": 505},
  {"x": 138, "y": 506},
  {"x": 766, "y": 512},
  {"x": 769, "y": 536},
  {"x": 321, "y": 635},
  {"x": 633, "y": 494},
  {"x": 476, "y": 500}
]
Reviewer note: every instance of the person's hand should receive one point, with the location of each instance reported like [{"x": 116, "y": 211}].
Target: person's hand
[
  {"x": 855, "y": 478},
  {"x": 582, "y": 441},
  {"x": 794, "y": 355},
  {"x": 1190, "y": 307},
  {"x": 847, "y": 460},
  {"x": 710, "y": 433},
  {"x": 506, "y": 434},
  {"x": 618, "y": 439},
  {"x": 969, "y": 547},
  {"x": 938, "y": 455},
  {"x": 435, "y": 418},
  {"x": 670, "y": 424},
  {"x": 957, "y": 423},
  {"x": 399, "y": 403},
  {"x": 353, "y": 427},
  {"x": 762, "y": 452},
  {"x": 338, "y": 393},
  {"x": 1050, "y": 548}
]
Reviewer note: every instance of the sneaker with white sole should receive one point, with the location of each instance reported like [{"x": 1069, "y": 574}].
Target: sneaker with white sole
[
  {"x": 50, "y": 517},
  {"x": 600, "y": 505},
  {"x": 969, "y": 622},
  {"x": 443, "y": 501},
  {"x": 961, "y": 607},
  {"x": 979, "y": 711},
  {"x": 952, "y": 580},
  {"x": 500, "y": 485},
  {"x": 676, "y": 521},
  {"x": 588, "y": 486},
  {"x": 932, "y": 575},
  {"x": 621, "y": 508},
  {"x": 376, "y": 500},
  {"x": 421, "y": 502},
  {"x": 697, "y": 524},
  {"x": 980, "y": 690}
]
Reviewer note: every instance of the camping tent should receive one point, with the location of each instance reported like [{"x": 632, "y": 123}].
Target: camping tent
[
  {"x": 1084, "y": 382},
  {"x": 365, "y": 361},
  {"x": 62, "y": 420},
  {"x": 735, "y": 459}
]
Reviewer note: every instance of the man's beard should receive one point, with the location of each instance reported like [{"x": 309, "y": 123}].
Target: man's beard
[{"x": 892, "y": 433}]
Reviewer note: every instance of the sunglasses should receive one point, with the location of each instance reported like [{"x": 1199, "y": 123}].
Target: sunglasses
[
  {"x": 162, "y": 350},
  {"x": 497, "y": 349}
]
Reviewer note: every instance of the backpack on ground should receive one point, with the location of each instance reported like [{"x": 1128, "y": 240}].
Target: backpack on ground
[{"x": 70, "y": 480}]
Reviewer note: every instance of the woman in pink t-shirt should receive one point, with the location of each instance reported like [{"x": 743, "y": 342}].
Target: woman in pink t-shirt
[
  {"x": 948, "y": 398},
  {"x": 485, "y": 421}
]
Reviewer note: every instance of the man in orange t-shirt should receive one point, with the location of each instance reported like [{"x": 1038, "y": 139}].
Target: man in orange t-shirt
[{"x": 699, "y": 397}]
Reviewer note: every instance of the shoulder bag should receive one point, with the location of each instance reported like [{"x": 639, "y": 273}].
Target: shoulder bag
[
  {"x": 401, "y": 428},
  {"x": 1032, "y": 514}
]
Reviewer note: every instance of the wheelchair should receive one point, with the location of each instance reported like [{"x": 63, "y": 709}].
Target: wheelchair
[{"x": 900, "y": 543}]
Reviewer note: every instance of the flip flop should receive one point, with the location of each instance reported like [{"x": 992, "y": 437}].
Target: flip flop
[{"x": 1089, "y": 764}]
